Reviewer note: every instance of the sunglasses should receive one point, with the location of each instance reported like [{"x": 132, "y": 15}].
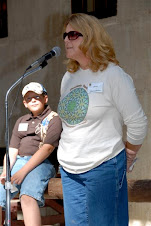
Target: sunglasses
[
  {"x": 72, "y": 35},
  {"x": 36, "y": 97}
]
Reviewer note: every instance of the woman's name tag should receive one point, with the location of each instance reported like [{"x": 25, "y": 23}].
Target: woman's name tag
[{"x": 95, "y": 87}]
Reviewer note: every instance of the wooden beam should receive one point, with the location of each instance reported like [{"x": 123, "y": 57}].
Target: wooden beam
[
  {"x": 55, "y": 188},
  {"x": 138, "y": 190},
  {"x": 53, "y": 219},
  {"x": 54, "y": 205}
]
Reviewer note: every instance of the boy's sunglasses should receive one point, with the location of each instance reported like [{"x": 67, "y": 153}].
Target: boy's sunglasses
[
  {"x": 36, "y": 97},
  {"x": 72, "y": 35}
]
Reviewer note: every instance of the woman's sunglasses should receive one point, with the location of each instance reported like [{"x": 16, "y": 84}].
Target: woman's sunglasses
[{"x": 72, "y": 35}]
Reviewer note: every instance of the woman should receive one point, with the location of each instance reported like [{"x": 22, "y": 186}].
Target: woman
[{"x": 97, "y": 99}]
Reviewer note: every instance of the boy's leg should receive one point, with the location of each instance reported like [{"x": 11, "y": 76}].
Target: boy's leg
[
  {"x": 0, "y": 215},
  {"x": 32, "y": 192},
  {"x": 31, "y": 211},
  {"x": 2, "y": 196},
  {"x": 3, "y": 200}
]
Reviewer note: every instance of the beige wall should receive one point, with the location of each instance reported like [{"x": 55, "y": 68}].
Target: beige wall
[
  {"x": 131, "y": 33},
  {"x": 35, "y": 27}
]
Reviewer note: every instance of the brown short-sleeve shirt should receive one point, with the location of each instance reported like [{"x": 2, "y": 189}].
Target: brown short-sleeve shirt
[{"x": 26, "y": 140}]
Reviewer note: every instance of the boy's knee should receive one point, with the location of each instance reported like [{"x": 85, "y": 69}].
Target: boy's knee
[{"x": 26, "y": 200}]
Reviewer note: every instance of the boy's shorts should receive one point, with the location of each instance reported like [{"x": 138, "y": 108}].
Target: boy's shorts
[{"x": 35, "y": 182}]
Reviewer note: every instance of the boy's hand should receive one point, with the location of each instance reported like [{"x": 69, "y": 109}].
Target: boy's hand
[
  {"x": 18, "y": 177},
  {"x": 3, "y": 178}
]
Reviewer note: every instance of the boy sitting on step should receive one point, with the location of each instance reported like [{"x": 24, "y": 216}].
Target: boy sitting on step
[{"x": 34, "y": 138}]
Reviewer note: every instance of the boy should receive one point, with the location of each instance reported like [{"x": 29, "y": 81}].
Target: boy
[{"x": 34, "y": 138}]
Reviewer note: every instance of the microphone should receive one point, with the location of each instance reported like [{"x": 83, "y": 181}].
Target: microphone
[{"x": 54, "y": 52}]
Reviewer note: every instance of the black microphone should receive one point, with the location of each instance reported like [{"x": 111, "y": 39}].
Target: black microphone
[{"x": 54, "y": 52}]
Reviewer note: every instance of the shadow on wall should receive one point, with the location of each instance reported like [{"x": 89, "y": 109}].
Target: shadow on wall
[
  {"x": 2, "y": 153},
  {"x": 19, "y": 62}
]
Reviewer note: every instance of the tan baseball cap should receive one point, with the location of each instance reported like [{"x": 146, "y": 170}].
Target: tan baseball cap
[{"x": 34, "y": 87}]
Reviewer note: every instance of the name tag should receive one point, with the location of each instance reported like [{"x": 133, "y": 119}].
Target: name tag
[
  {"x": 95, "y": 87},
  {"x": 23, "y": 127}
]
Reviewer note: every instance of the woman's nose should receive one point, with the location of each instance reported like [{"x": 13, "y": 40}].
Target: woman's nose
[{"x": 66, "y": 39}]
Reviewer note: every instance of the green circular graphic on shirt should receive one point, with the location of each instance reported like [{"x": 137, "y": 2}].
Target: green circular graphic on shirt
[{"x": 74, "y": 106}]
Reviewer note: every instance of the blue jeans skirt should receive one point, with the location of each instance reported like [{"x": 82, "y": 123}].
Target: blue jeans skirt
[
  {"x": 98, "y": 197},
  {"x": 35, "y": 182}
]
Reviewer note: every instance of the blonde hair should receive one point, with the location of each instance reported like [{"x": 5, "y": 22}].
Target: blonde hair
[{"x": 96, "y": 44}]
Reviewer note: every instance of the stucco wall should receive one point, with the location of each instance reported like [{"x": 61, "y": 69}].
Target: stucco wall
[
  {"x": 131, "y": 33},
  {"x": 35, "y": 28}
]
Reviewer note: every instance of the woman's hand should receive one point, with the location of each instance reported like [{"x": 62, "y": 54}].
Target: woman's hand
[
  {"x": 131, "y": 159},
  {"x": 131, "y": 152}
]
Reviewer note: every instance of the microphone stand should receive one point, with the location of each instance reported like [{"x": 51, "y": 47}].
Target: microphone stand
[{"x": 8, "y": 182}]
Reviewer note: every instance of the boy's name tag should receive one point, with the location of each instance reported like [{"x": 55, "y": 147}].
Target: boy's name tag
[
  {"x": 95, "y": 87},
  {"x": 23, "y": 127}
]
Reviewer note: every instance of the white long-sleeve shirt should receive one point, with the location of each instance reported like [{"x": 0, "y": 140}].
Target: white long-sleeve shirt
[{"x": 94, "y": 107}]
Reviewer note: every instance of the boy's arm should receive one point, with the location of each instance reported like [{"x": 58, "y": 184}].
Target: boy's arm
[
  {"x": 13, "y": 152},
  {"x": 36, "y": 159}
]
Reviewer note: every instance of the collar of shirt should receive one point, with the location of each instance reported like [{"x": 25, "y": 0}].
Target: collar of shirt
[{"x": 41, "y": 116}]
